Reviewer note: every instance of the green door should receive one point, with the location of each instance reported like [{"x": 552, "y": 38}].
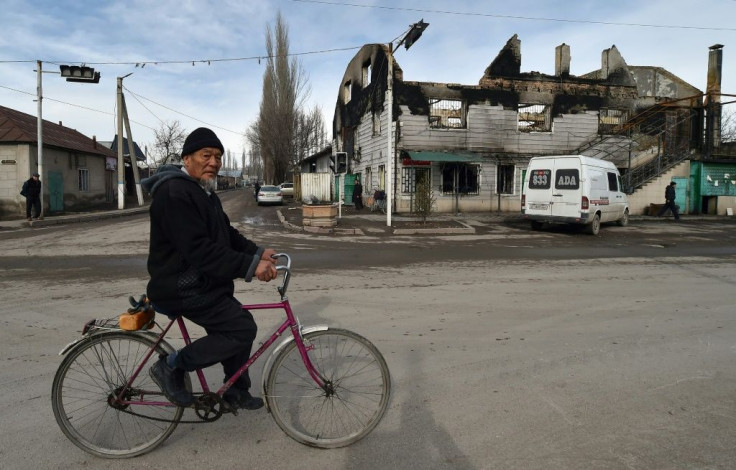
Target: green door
[
  {"x": 56, "y": 191},
  {"x": 681, "y": 193}
]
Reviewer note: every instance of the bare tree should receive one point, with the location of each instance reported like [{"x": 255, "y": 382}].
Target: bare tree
[
  {"x": 728, "y": 124},
  {"x": 284, "y": 91},
  {"x": 169, "y": 141}
]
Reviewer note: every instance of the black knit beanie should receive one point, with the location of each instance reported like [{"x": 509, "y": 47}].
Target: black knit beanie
[{"x": 199, "y": 139}]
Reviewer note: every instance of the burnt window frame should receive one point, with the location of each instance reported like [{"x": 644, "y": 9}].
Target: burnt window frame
[
  {"x": 524, "y": 113},
  {"x": 440, "y": 117},
  {"x": 610, "y": 118},
  {"x": 461, "y": 169},
  {"x": 506, "y": 180}
]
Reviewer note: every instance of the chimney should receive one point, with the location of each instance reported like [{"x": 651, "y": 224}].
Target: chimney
[
  {"x": 62, "y": 125},
  {"x": 94, "y": 142},
  {"x": 713, "y": 98},
  {"x": 562, "y": 60}
]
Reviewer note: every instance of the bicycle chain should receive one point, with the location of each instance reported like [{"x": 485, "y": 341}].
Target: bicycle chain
[{"x": 219, "y": 408}]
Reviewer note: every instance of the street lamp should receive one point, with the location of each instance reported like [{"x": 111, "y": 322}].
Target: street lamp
[
  {"x": 408, "y": 40},
  {"x": 73, "y": 74}
]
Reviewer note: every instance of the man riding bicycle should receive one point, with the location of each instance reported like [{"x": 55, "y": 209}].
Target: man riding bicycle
[{"x": 194, "y": 256}]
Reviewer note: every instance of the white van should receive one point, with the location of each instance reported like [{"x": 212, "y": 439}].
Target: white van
[{"x": 573, "y": 189}]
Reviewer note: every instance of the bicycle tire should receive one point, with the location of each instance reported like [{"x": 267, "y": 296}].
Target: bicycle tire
[
  {"x": 306, "y": 413},
  {"x": 88, "y": 377}
]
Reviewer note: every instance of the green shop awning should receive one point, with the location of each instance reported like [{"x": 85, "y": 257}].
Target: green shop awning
[{"x": 444, "y": 157}]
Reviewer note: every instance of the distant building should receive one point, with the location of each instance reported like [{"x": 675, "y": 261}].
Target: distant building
[{"x": 79, "y": 172}]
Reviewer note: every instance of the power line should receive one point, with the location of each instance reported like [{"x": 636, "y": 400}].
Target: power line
[
  {"x": 179, "y": 112},
  {"x": 516, "y": 17},
  {"x": 143, "y": 63},
  {"x": 70, "y": 104}
]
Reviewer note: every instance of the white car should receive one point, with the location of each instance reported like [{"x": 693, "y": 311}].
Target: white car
[
  {"x": 287, "y": 189},
  {"x": 270, "y": 195}
]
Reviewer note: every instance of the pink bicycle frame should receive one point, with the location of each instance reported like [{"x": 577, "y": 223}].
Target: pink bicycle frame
[{"x": 290, "y": 323}]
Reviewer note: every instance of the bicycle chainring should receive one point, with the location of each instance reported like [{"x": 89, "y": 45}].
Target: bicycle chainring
[{"x": 209, "y": 406}]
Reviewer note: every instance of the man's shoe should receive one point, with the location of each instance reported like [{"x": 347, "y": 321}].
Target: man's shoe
[
  {"x": 239, "y": 398},
  {"x": 171, "y": 381}
]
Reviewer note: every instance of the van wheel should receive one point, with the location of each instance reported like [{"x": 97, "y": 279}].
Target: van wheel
[
  {"x": 536, "y": 225},
  {"x": 624, "y": 221},
  {"x": 595, "y": 226}
]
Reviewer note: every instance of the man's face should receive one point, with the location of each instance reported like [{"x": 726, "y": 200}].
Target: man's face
[{"x": 203, "y": 164}]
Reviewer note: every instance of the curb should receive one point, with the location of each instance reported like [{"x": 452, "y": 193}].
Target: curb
[
  {"x": 87, "y": 217},
  {"x": 317, "y": 230},
  {"x": 465, "y": 230}
]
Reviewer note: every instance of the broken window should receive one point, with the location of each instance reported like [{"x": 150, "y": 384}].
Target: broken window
[
  {"x": 366, "y": 74},
  {"x": 505, "y": 179},
  {"x": 535, "y": 118},
  {"x": 610, "y": 119},
  {"x": 462, "y": 178},
  {"x": 376, "y": 122},
  {"x": 446, "y": 114},
  {"x": 411, "y": 176},
  {"x": 347, "y": 91}
]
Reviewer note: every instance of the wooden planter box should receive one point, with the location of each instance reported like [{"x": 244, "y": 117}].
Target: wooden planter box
[{"x": 319, "y": 215}]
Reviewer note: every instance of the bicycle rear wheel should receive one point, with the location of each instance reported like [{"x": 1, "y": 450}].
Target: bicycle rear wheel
[
  {"x": 84, "y": 390},
  {"x": 358, "y": 399}
]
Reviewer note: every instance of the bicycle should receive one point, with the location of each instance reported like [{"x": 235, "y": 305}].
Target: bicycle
[
  {"x": 379, "y": 201},
  {"x": 324, "y": 387}
]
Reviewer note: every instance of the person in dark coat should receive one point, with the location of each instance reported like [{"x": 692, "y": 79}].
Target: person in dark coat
[
  {"x": 32, "y": 192},
  {"x": 194, "y": 256},
  {"x": 358, "y": 194},
  {"x": 669, "y": 201}
]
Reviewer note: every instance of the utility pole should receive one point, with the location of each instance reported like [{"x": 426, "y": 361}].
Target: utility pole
[
  {"x": 39, "y": 136},
  {"x": 409, "y": 38},
  {"x": 121, "y": 161}
]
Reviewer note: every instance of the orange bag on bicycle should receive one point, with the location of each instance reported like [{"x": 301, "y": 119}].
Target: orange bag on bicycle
[{"x": 137, "y": 319}]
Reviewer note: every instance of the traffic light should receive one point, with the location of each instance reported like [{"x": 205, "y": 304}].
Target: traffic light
[
  {"x": 342, "y": 162},
  {"x": 414, "y": 33},
  {"x": 83, "y": 74},
  {"x": 339, "y": 162}
]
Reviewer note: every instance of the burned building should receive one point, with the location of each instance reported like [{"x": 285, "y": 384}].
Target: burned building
[{"x": 473, "y": 142}]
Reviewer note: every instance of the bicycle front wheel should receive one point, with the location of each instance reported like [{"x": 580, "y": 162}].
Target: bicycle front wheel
[
  {"x": 357, "y": 396},
  {"x": 84, "y": 392}
]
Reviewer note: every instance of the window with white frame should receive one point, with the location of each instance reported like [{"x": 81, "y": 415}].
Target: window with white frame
[
  {"x": 83, "y": 179},
  {"x": 382, "y": 177},
  {"x": 368, "y": 179},
  {"x": 446, "y": 114},
  {"x": 505, "y": 179},
  {"x": 462, "y": 178},
  {"x": 535, "y": 118},
  {"x": 411, "y": 176}
]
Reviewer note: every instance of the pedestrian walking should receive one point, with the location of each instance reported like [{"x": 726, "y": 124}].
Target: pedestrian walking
[
  {"x": 358, "y": 194},
  {"x": 669, "y": 201},
  {"x": 31, "y": 190}
]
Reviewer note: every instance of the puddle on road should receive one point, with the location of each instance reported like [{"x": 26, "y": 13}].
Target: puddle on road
[{"x": 258, "y": 221}]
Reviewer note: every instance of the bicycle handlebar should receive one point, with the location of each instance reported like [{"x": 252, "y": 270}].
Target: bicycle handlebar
[{"x": 286, "y": 268}]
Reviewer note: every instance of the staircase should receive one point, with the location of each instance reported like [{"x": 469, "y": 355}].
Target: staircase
[{"x": 662, "y": 127}]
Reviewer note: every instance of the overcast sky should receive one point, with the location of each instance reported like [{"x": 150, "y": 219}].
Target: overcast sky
[{"x": 462, "y": 39}]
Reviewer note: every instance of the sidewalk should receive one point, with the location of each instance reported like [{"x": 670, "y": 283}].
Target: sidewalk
[{"x": 76, "y": 217}]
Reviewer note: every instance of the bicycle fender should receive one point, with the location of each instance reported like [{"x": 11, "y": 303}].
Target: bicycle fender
[
  {"x": 146, "y": 334},
  {"x": 269, "y": 362}
]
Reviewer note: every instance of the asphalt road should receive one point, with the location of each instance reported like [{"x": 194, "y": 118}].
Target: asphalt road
[{"x": 508, "y": 348}]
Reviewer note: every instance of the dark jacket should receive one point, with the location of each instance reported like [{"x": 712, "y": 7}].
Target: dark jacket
[
  {"x": 194, "y": 253},
  {"x": 669, "y": 194},
  {"x": 31, "y": 189}
]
